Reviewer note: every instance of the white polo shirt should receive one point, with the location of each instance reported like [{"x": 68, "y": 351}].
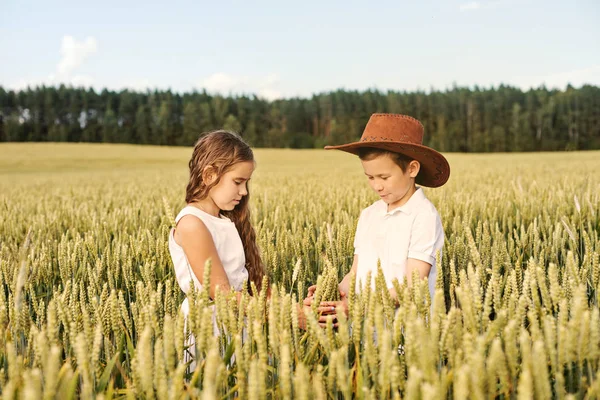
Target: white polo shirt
[{"x": 413, "y": 230}]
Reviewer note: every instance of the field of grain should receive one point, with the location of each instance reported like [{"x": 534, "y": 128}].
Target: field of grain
[{"x": 89, "y": 306}]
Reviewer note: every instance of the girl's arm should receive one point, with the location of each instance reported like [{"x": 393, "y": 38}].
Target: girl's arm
[{"x": 198, "y": 245}]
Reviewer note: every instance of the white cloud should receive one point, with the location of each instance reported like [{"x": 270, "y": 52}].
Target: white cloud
[
  {"x": 81, "y": 80},
  {"x": 265, "y": 86},
  {"x": 221, "y": 82},
  {"x": 476, "y": 5},
  {"x": 270, "y": 94},
  {"x": 268, "y": 87},
  {"x": 560, "y": 80},
  {"x": 135, "y": 85},
  {"x": 577, "y": 77},
  {"x": 272, "y": 79},
  {"x": 74, "y": 53},
  {"x": 473, "y": 5},
  {"x": 22, "y": 84},
  {"x": 54, "y": 80}
]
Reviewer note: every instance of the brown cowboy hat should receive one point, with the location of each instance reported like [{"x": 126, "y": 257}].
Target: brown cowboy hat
[{"x": 402, "y": 134}]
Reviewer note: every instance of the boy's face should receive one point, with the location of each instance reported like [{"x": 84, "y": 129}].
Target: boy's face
[{"x": 387, "y": 179}]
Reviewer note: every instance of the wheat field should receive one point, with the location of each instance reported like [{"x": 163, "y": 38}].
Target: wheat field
[{"x": 89, "y": 305}]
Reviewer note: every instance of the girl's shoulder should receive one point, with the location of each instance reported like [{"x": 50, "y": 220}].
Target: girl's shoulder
[
  {"x": 209, "y": 220},
  {"x": 193, "y": 222}
]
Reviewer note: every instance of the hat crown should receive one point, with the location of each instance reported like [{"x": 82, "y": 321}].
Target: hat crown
[
  {"x": 404, "y": 135},
  {"x": 393, "y": 128}
]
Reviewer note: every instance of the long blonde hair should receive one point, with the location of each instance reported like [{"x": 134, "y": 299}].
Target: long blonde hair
[{"x": 222, "y": 150}]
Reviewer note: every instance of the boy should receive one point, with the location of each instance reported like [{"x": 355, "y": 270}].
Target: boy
[{"x": 403, "y": 229}]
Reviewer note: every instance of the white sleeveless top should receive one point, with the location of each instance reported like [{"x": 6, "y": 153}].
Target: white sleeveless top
[{"x": 229, "y": 248}]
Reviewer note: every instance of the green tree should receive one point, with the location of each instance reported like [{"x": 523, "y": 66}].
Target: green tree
[
  {"x": 110, "y": 126},
  {"x": 196, "y": 120},
  {"x": 143, "y": 125},
  {"x": 232, "y": 124}
]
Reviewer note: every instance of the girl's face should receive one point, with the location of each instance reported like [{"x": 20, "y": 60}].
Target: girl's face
[
  {"x": 387, "y": 179},
  {"x": 232, "y": 186}
]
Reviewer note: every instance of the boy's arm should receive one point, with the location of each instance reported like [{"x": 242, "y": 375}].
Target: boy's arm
[
  {"x": 345, "y": 283},
  {"x": 344, "y": 287},
  {"x": 422, "y": 267},
  {"x": 412, "y": 264},
  {"x": 427, "y": 237}
]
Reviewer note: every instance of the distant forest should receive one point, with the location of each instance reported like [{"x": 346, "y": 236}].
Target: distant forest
[{"x": 456, "y": 120}]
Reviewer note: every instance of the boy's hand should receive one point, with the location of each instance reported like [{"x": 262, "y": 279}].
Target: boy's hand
[{"x": 311, "y": 294}]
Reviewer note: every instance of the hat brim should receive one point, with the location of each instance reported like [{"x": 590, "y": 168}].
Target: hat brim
[{"x": 434, "y": 171}]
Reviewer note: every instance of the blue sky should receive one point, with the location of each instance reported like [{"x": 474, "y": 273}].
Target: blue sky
[{"x": 278, "y": 50}]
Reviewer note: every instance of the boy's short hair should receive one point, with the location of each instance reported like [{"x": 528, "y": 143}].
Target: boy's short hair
[{"x": 369, "y": 153}]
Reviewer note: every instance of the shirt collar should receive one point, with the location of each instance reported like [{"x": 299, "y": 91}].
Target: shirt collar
[{"x": 417, "y": 197}]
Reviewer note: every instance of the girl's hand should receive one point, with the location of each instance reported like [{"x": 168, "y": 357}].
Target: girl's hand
[
  {"x": 323, "y": 312},
  {"x": 333, "y": 308}
]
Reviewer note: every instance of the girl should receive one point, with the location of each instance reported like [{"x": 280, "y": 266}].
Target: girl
[{"x": 215, "y": 223}]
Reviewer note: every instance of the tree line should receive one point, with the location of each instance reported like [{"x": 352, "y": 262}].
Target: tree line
[{"x": 458, "y": 119}]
